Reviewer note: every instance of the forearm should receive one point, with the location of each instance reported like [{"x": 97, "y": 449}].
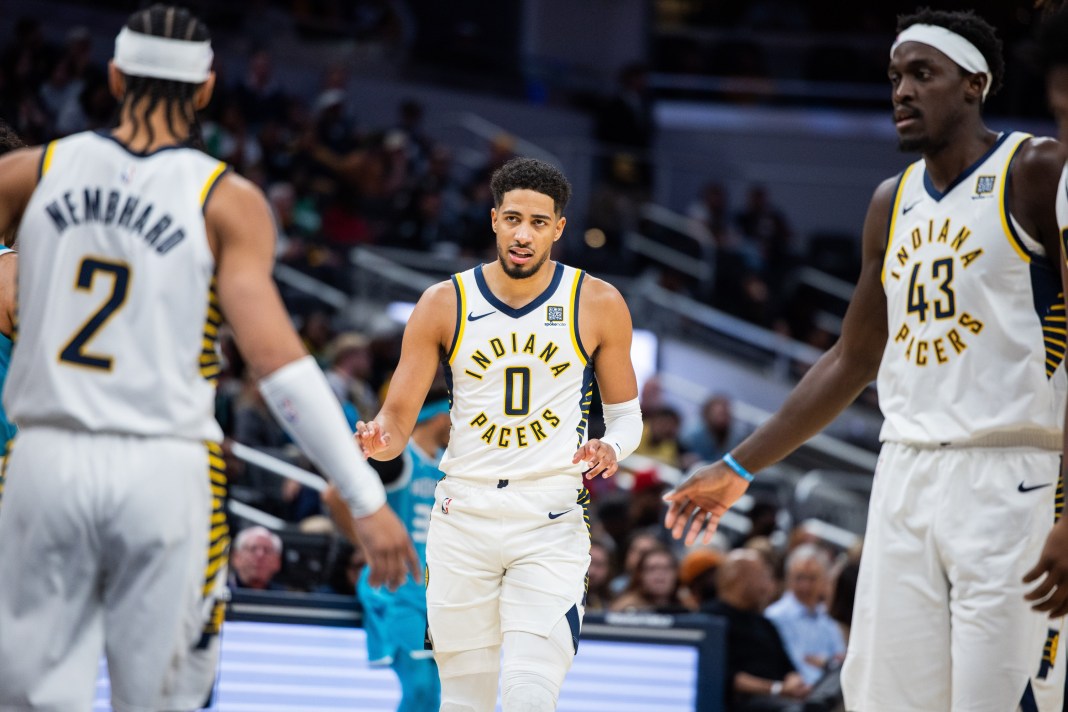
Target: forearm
[
  {"x": 747, "y": 684},
  {"x": 829, "y": 387},
  {"x": 399, "y": 430}
]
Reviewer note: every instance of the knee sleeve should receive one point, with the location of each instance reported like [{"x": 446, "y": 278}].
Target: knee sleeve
[
  {"x": 535, "y": 667},
  {"x": 469, "y": 679}
]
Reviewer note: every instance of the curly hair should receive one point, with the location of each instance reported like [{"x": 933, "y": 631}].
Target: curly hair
[
  {"x": 531, "y": 174},
  {"x": 174, "y": 23},
  {"x": 969, "y": 26},
  {"x": 9, "y": 140}
]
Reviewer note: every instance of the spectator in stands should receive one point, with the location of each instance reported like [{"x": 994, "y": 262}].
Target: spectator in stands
[
  {"x": 711, "y": 210},
  {"x": 316, "y": 333},
  {"x": 255, "y": 559},
  {"x": 654, "y": 588},
  {"x": 646, "y": 505},
  {"x": 350, "y": 367},
  {"x": 660, "y": 437},
  {"x": 766, "y": 234},
  {"x": 843, "y": 592},
  {"x": 638, "y": 543},
  {"x": 697, "y": 573},
  {"x": 348, "y": 563},
  {"x": 259, "y": 96},
  {"x": 598, "y": 593},
  {"x": 717, "y": 432},
  {"x": 812, "y": 637},
  {"x": 760, "y": 674}
]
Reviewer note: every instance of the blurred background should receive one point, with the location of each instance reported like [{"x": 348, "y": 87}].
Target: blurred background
[{"x": 722, "y": 156}]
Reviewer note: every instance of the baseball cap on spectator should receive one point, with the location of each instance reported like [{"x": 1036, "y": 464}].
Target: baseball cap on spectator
[{"x": 698, "y": 562}]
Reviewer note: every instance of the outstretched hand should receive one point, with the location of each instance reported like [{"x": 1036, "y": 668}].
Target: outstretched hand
[
  {"x": 600, "y": 456},
  {"x": 1051, "y": 594},
  {"x": 371, "y": 438},
  {"x": 697, "y": 504}
]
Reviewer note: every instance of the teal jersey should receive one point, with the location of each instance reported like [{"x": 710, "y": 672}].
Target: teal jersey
[
  {"x": 7, "y": 428},
  {"x": 396, "y": 621}
]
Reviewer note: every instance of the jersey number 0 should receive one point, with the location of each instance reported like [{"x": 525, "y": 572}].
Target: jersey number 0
[{"x": 74, "y": 352}]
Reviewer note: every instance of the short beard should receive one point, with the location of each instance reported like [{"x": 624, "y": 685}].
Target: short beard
[{"x": 520, "y": 271}]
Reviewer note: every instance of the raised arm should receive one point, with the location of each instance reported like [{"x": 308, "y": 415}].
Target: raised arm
[
  {"x": 834, "y": 382},
  {"x": 605, "y": 325},
  {"x": 426, "y": 337},
  {"x": 242, "y": 235}
]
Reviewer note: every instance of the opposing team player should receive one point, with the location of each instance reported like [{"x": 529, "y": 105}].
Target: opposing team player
[
  {"x": 960, "y": 313},
  {"x": 133, "y": 246},
  {"x": 395, "y": 621},
  {"x": 9, "y": 141},
  {"x": 508, "y": 549}
]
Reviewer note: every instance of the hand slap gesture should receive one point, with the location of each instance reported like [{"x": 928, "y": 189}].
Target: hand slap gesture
[
  {"x": 599, "y": 456},
  {"x": 371, "y": 438},
  {"x": 699, "y": 502}
]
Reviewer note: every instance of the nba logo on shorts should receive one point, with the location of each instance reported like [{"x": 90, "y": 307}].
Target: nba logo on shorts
[
  {"x": 554, "y": 314},
  {"x": 984, "y": 185},
  {"x": 445, "y": 505}
]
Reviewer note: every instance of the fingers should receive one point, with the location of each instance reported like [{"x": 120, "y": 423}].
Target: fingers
[
  {"x": 600, "y": 457},
  {"x": 1042, "y": 590},
  {"x": 681, "y": 512},
  {"x": 1036, "y": 571}
]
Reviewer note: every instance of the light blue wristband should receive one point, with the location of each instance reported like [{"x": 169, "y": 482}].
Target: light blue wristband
[{"x": 733, "y": 464}]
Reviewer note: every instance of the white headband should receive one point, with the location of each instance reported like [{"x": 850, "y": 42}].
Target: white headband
[
  {"x": 141, "y": 55},
  {"x": 949, "y": 43}
]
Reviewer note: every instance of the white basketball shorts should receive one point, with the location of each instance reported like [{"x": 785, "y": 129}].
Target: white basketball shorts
[
  {"x": 104, "y": 541},
  {"x": 940, "y": 623},
  {"x": 508, "y": 558}
]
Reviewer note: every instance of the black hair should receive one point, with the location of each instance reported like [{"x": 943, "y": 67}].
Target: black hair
[
  {"x": 174, "y": 23},
  {"x": 9, "y": 140},
  {"x": 1053, "y": 38},
  {"x": 531, "y": 174},
  {"x": 969, "y": 26}
]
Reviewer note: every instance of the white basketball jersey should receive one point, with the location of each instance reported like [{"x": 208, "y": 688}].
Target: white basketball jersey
[
  {"x": 976, "y": 315},
  {"x": 117, "y": 310},
  {"x": 520, "y": 380}
]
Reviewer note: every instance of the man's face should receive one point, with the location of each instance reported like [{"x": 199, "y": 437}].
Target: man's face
[
  {"x": 256, "y": 562},
  {"x": 1057, "y": 90},
  {"x": 526, "y": 226},
  {"x": 928, "y": 97},
  {"x": 808, "y": 582}
]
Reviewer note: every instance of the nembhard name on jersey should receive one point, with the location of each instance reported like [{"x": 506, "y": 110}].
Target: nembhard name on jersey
[
  {"x": 499, "y": 347},
  {"x": 110, "y": 207},
  {"x": 928, "y": 259}
]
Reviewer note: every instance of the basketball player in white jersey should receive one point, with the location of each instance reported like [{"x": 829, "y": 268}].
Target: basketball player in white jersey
[
  {"x": 960, "y": 313},
  {"x": 508, "y": 546},
  {"x": 133, "y": 245}
]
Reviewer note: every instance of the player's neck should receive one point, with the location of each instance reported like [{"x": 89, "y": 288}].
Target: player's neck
[
  {"x": 146, "y": 134},
  {"x": 946, "y": 164},
  {"x": 514, "y": 292}
]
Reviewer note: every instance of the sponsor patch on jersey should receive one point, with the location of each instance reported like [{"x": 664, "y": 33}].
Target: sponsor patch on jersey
[
  {"x": 554, "y": 314},
  {"x": 984, "y": 185}
]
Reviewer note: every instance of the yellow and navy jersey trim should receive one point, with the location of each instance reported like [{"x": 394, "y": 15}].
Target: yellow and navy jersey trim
[
  {"x": 211, "y": 183},
  {"x": 210, "y": 364},
  {"x": 46, "y": 160},
  {"x": 585, "y": 399},
  {"x": 1048, "y": 301},
  {"x": 483, "y": 287},
  {"x": 461, "y": 307},
  {"x": 1013, "y": 236},
  {"x": 576, "y": 336},
  {"x": 1058, "y": 498},
  {"x": 3, "y": 467},
  {"x": 219, "y": 538},
  {"x": 891, "y": 221}
]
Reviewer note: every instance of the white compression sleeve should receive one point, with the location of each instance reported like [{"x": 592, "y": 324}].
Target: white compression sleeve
[
  {"x": 302, "y": 402},
  {"x": 622, "y": 426}
]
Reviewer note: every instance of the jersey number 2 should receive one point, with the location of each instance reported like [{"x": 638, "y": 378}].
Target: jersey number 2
[{"x": 74, "y": 352}]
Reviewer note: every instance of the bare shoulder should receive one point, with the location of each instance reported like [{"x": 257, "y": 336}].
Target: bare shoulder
[
  {"x": 18, "y": 179},
  {"x": 1039, "y": 162},
  {"x": 23, "y": 163},
  {"x": 435, "y": 313},
  {"x": 234, "y": 195},
  {"x": 599, "y": 294}
]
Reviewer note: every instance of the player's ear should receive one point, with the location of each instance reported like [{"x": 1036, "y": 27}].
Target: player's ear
[
  {"x": 116, "y": 82},
  {"x": 560, "y": 228},
  {"x": 203, "y": 93}
]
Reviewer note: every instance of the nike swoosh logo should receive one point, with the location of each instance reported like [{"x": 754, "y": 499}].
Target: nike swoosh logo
[
  {"x": 905, "y": 210},
  {"x": 471, "y": 316},
  {"x": 1023, "y": 488},
  {"x": 559, "y": 514}
]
